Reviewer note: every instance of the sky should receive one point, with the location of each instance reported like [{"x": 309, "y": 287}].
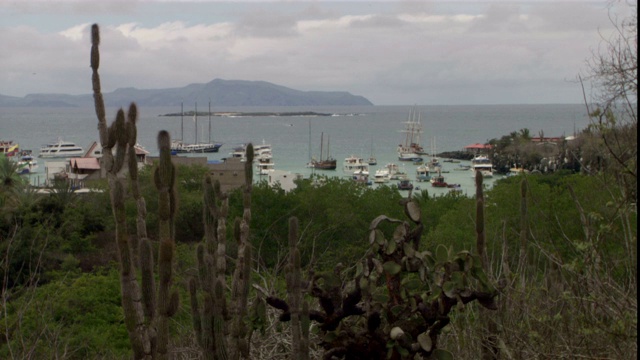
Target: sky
[{"x": 391, "y": 52}]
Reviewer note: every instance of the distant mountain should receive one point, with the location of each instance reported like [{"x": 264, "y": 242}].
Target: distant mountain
[{"x": 219, "y": 92}]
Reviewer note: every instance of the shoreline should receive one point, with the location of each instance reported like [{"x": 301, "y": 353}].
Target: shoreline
[{"x": 246, "y": 114}]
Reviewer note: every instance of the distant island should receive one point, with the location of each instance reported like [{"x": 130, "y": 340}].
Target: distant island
[
  {"x": 247, "y": 114},
  {"x": 218, "y": 93}
]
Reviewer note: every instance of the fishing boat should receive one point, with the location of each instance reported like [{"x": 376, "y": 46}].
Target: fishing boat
[
  {"x": 60, "y": 149},
  {"x": 411, "y": 149},
  {"x": 405, "y": 185},
  {"x": 422, "y": 173},
  {"x": 483, "y": 164},
  {"x": 328, "y": 163},
  {"x": 438, "y": 181}
]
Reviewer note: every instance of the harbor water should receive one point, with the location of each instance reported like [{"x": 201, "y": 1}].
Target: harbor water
[{"x": 362, "y": 131}]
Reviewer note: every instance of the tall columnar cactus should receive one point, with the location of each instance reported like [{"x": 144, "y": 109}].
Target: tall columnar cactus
[
  {"x": 489, "y": 332},
  {"x": 221, "y": 327},
  {"x": 397, "y": 300},
  {"x": 524, "y": 231},
  {"x": 146, "y": 312},
  {"x": 298, "y": 308},
  {"x": 481, "y": 246}
]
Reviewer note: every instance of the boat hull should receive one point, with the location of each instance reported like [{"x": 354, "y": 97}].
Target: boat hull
[{"x": 324, "y": 165}]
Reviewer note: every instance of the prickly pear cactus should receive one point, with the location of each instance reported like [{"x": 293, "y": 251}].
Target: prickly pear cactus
[{"x": 397, "y": 300}]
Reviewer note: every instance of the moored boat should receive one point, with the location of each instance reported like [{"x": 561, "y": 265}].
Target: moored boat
[
  {"x": 395, "y": 173},
  {"x": 405, "y": 185},
  {"x": 515, "y": 171},
  {"x": 354, "y": 163},
  {"x": 438, "y": 181},
  {"x": 411, "y": 149},
  {"x": 422, "y": 173},
  {"x": 8, "y": 148},
  {"x": 328, "y": 163},
  {"x": 381, "y": 176},
  {"x": 372, "y": 159},
  {"x": 361, "y": 176},
  {"x": 60, "y": 149},
  {"x": 179, "y": 147},
  {"x": 483, "y": 164},
  {"x": 265, "y": 167},
  {"x": 27, "y": 164}
]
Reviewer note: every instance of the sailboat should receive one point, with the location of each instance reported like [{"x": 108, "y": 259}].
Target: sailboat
[
  {"x": 411, "y": 149},
  {"x": 434, "y": 163},
  {"x": 372, "y": 160},
  {"x": 197, "y": 147},
  {"x": 327, "y": 163},
  {"x": 177, "y": 145}
]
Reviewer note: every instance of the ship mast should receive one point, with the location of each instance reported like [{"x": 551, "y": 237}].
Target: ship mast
[
  {"x": 195, "y": 118},
  {"x": 321, "y": 143}
]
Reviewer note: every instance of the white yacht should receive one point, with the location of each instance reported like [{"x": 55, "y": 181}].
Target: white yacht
[
  {"x": 265, "y": 167},
  {"x": 60, "y": 149},
  {"x": 361, "y": 176},
  {"x": 381, "y": 176},
  {"x": 483, "y": 164},
  {"x": 353, "y": 163}
]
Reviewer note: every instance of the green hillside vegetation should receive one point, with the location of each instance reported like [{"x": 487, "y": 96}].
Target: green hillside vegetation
[
  {"x": 161, "y": 264},
  {"x": 577, "y": 290}
]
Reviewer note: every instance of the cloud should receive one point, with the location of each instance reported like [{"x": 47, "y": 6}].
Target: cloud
[{"x": 412, "y": 52}]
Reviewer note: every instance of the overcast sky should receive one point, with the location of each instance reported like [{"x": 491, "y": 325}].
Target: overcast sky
[{"x": 391, "y": 52}]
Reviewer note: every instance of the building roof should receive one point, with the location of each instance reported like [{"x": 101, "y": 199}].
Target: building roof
[
  {"x": 89, "y": 163},
  {"x": 478, "y": 146}
]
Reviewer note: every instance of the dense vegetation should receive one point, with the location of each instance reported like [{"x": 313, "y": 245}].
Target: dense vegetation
[{"x": 575, "y": 295}]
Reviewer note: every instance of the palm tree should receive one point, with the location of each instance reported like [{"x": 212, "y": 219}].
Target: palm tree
[
  {"x": 525, "y": 134},
  {"x": 10, "y": 180}
]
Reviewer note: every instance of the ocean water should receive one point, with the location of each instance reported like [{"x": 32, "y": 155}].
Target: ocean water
[{"x": 353, "y": 130}]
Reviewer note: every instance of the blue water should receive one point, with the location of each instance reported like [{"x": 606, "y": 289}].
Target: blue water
[{"x": 353, "y": 130}]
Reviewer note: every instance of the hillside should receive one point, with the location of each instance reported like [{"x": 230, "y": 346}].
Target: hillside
[{"x": 219, "y": 92}]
